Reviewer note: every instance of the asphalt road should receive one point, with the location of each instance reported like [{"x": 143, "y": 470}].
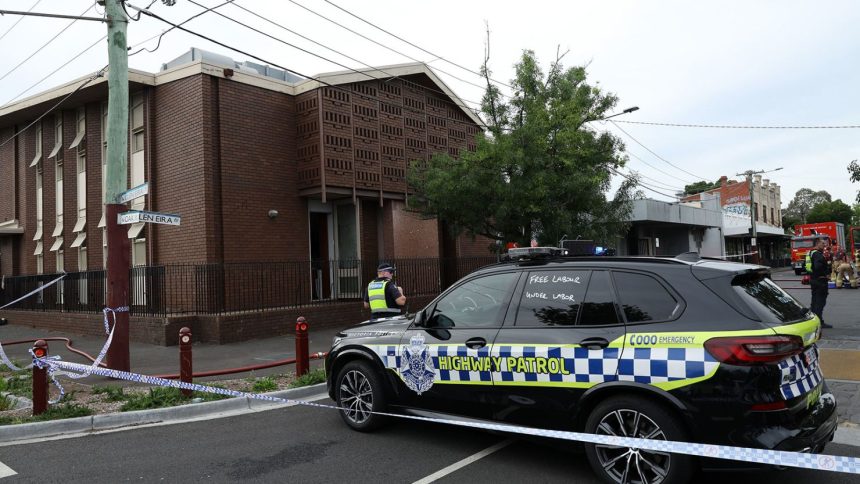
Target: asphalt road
[{"x": 309, "y": 445}]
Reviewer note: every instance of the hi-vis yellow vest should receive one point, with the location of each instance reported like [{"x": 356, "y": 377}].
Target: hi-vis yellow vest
[
  {"x": 376, "y": 297},
  {"x": 808, "y": 266}
]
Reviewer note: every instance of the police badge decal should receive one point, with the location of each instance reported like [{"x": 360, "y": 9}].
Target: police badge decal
[{"x": 416, "y": 365}]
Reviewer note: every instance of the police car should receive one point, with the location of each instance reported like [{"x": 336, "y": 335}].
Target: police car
[{"x": 680, "y": 349}]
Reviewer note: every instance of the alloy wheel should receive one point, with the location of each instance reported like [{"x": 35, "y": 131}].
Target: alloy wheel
[
  {"x": 356, "y": 396},
  {"x": 630, "y": 465}
]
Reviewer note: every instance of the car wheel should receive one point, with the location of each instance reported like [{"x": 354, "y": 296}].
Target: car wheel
[
  {"x": 636, "y": 417},
  {"x": 359, "y": 394}
]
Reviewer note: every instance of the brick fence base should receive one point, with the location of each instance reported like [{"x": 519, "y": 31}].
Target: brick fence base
[{"x": 219, "y": 329}]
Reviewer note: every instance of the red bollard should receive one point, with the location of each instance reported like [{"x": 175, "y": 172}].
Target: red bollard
[
  {"x": 40, "y": 379},
  {"x": 185, "y": 369},
  {"x": 302, "y": 358}
]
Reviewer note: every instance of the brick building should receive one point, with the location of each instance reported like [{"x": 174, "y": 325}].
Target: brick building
[
  {"x": 737, "y": 213},
  {"x": 262, "y": 166}
]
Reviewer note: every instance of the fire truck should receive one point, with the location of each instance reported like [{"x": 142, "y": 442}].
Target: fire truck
[{"x": 805, "y": 235}]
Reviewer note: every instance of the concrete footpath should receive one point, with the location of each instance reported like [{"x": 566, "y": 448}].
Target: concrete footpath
[{"x": 840, "y": 357}]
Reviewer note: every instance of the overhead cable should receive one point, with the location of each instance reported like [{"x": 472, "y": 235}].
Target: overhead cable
[
  {"x": 740, "y": 126},
  {"x": 19, "y": 20},
  {"x": 653, "y": 153}
]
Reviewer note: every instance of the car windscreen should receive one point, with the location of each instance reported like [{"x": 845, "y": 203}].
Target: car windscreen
[
  {"x": 768, "y": 300},
  {"x": 802, "y": 244}
]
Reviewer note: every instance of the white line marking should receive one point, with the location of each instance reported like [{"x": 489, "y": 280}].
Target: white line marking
[
  {"x": 463, "y": 463},
  {"x": 6, "y": 471}
]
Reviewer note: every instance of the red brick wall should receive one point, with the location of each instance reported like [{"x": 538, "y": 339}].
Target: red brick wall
[
  {"x": 94, "y": 185},
  {"x": 467, "y": 246},
  {"x": 7, "y": 176},
  {"x": 413, "y": 236},
  {"x": 25, "y": 262},
  {"x": 258, "y": 174},
  {"x": 182, "y": 179},
  {"x": 158, "y": 331}
]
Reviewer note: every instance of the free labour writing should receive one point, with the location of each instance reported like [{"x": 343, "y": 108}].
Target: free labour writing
[{"x": 553, "y": 279}]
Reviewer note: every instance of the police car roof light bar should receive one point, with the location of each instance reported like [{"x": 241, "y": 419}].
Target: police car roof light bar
[{"x": 531, "y": 253}]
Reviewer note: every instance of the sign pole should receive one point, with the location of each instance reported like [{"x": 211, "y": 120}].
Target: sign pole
[{"x": 116, "y": 176}]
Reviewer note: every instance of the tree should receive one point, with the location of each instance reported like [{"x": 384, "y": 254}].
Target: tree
[
  {"x": 855, "y": 217},
  {"x": 539, "y": 171},
  {"x": 835, "y": 211},
  {"x": 700, "y": 186},
  {"x": 799, "y": 208},
  {"x": 854, "y": 171}
]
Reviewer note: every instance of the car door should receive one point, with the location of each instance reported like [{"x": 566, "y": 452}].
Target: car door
[
  {"x": 565, "y": 336},
  {"x": 453, "y": 337}
]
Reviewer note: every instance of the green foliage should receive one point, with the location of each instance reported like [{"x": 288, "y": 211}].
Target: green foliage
[
  {"x": 854, "y": 171},
  {"x": 541, "y": 170},
  {"x": 700, "y": 186},
  {"x": 835, "y": 211},
  {"x": 160, "y": 397},
  {"x": 112, "y": 393},
  {"x": 264, "y": 384},
  {"x": 310, "y": 378},
  {"x": 5, "y": 403},
  {"x": 804, "y": 201},
  {"x": 21, "y": 384},
  {"x": 54, "y": 412},
  {"x": 855, "y": 215}
]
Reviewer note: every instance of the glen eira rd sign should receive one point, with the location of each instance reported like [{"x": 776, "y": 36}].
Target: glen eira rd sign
[{"x": 140, "y": 216}]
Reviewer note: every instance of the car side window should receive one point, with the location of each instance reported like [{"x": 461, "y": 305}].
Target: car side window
[
  {"x": 552, "y": 298},
  {"x": 643, "y": 298},
  {"x": 598, "y": 307},
  {"x": 474, "y": 304}
]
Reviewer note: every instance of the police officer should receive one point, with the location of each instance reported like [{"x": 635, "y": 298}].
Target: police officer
[
  {"x": 819, "y": 271},
  {"x": 382, "y": 296}
]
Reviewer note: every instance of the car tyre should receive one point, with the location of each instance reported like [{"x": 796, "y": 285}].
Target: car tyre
[
  {"x": 359, "y": 393},
  {"x": 632, "y": 416}
]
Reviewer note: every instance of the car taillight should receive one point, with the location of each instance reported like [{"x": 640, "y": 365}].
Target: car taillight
[{"x": 751, "y": 350}]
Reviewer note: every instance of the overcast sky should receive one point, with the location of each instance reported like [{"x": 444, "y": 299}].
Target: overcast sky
[{"x": 705, "y": 62}]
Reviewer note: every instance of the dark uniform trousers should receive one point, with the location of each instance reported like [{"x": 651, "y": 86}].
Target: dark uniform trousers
[{"x": 819, "y": 297}]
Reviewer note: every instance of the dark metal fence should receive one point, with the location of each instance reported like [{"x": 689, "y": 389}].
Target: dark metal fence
[{"x": 235, "y": 287}]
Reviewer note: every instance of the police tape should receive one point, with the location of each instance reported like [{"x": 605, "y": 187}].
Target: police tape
[
  {"x": 6, "y": 361},
  {"x": 823, "y": 462}
]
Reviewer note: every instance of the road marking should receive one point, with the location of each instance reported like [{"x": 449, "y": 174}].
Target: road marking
[
  {"x": 6, "y": 471},
  {"x": 463, "y": 463}
]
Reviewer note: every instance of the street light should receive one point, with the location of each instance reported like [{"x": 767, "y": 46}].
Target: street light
[
  {"x": 626, "y": 111},
  {"x": 753, "y": 212}
]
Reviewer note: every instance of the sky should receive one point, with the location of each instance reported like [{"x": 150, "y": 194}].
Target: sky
[{"x": 727, "y": 62}]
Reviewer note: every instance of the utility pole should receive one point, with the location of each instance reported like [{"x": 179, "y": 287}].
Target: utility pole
[
  {"x": 116, "y": 183},
  {"x": 754, "y": 211}
]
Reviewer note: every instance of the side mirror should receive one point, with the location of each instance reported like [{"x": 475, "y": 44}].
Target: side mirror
[{"x": 419, "y": 318}]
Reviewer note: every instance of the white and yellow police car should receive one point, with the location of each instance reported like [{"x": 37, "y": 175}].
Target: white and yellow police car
[{"x": 680, "y": 349}]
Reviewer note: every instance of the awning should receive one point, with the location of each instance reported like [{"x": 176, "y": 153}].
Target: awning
[
  {"x": 77, "y": 140},
  {"x": 79, "y": 240},
  {"x": 135, "y": 230},
  {"x": 58, "y": 244},
  {"x": 39, "y": 248},
  {"x": 38, "y": 235},
  {"x": 56, "y": 149},
  {"x": 36, "y": 160},
  {"x": 58, "y": 230},
  {"x": 11, "y": 227},
  {"x": 80, "y": 224}
]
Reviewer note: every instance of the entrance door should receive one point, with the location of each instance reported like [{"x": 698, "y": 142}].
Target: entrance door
[
  {"x": 320, "y": 265},
  {"x": 348, "y": 263}
]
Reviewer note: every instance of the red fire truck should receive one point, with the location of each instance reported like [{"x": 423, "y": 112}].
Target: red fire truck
[{"x": 805, "y": 235}]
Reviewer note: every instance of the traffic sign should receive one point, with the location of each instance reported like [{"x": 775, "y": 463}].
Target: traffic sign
[
  {"x": 133, "y": 193},
  {"x": 141, "y": 216}
]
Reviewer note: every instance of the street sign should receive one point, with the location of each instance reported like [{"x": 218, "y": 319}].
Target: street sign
[
  {"x": 133, "y": 193},
  {"x": 140, "y": 216}
]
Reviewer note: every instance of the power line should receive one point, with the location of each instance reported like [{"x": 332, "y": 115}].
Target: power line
[
  {"x": 207, "y": 9},
  {"x": 19, "y": 20},
  {"x": 383, "y": 45},
  {"x": 45, "y": 44},
  {"x": 658, "y": 169},
  {"x": 326, "y": 47},
  {"x": 653, "y": 153},
  {"x": 25, "y": 91},
  {"x": 737, "y": 126},
  {"x": 639, "y": 183},
  {"x": 416, "y": 46},
  {"x": 95, "y": 76}
]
